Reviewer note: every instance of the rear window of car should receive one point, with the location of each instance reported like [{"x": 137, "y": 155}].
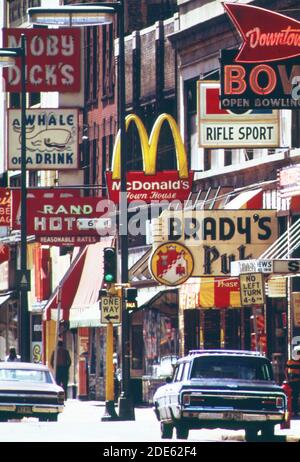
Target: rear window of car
[
  {"x": 24, "y": 375},
  {"x": 228, "y": 367}
]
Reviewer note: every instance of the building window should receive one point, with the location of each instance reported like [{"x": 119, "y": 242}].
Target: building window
[
  {"x": 227, "y": 157},
  {"x": 192, "y": 125},
  {"x": 249, "y": 154},
  {"x": 104, "y": 162},
  {"x": 107, "y": 62},
  {"x": 14, "y": 100},
  {"x": 34, "y": 99},
  {"x": 207, "y": 159}
]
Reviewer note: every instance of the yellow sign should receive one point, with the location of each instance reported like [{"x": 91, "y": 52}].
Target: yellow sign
[
  {"x": 149, "y": 146},
  {"x": 252, "y": 289},
  {"x": 111, "y": 309},
  {"x": 171, "y": 264},
  {"x": 296, "y": 308},
  {"x": 216, "y": 238}
]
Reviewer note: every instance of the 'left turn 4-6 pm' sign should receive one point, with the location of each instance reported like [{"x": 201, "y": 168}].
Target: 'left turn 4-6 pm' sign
[
  {"x": 111, "y": 309},
  {"x": 252, "y": 289}
]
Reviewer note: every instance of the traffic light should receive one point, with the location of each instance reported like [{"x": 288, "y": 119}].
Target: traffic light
[
  {"x": 130, "y": 294},
  {"x": 130, "y": 297},
  {"x": 110, "y": 265}
]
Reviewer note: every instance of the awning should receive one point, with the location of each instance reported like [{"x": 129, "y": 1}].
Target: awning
[
  {"x": 252, "y": 199},
  {"x": 83, "y": 311},
  {"x": 86, "y": 317},
  {"x": 214, "y": 292},
  {"x": 69, "y": 284}
]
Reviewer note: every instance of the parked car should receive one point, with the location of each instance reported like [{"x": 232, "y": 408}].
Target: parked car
[
  {"x": 221, "y": 389},
  {"x": 28, "y": 389}
]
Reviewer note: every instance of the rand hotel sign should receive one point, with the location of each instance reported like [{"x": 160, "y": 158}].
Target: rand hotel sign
[
  {"x": 216, "y": 238},
  {"x": 51, "y": 139},
  {"x": 265, "y": 71}
]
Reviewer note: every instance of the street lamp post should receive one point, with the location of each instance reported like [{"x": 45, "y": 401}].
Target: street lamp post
[
  {"x": 90, "y": 15},
  {"x": 7, "y": 58}
]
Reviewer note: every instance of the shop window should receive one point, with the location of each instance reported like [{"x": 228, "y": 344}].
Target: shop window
[
  {"x": 212, "y": 329},
  {"x": 137, "y": 348},
  {"x": 191, "y": 330},
  {"x": 232, "y": 329}
]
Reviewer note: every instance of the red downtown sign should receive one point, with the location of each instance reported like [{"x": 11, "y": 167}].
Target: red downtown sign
[{"x": 267, "y": 35}]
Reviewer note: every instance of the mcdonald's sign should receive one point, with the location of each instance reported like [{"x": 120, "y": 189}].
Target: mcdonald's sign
[{"x": 150, "y": 185}]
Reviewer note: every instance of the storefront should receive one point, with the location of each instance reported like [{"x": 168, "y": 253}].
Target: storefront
[
  {"x": 154, "y": 341},
  {"x": 79, "y": 321}
]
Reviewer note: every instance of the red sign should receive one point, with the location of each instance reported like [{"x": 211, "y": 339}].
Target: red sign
[
  {"x": 4, "y": 253},
  {"x": 267, "y": 35},
  {"x": 58, "y": 217},
  {"x": 5, "y": 204},
  {"x": 36, "y": 195},
  {"x": 166, "y": 185},
  {"x": 42, "y": 273},
  {"x": 52, "y": 60}
]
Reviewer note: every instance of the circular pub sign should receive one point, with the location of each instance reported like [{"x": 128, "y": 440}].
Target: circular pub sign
[{"x": 171, "y": 264}]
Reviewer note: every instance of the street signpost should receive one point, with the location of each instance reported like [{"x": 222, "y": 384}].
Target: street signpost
[
  {"x": 111, "y": 309},
  {"x": 284, "y": 266},
  {"x": 252, "y": 289}
]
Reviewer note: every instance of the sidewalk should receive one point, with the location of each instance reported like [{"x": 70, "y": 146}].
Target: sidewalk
[{"x": 289, "y": 435}]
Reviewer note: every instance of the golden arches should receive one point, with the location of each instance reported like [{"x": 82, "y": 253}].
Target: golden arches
[{"x": 149, "y": 146}]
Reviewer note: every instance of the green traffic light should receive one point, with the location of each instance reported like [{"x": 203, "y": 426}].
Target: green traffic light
[{"x": 109, "y": 278}]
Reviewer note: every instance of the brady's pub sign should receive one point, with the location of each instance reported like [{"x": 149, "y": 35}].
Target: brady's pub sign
[
  {"x": 215, "y": 238},
  {"x": 265, "y": 71},
  {"x": 150, "y": 185}
]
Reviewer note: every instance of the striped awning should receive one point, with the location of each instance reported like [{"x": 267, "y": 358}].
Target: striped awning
[
  {"x": 214, "y": 292},
  {"x": 251, "y": 199}
]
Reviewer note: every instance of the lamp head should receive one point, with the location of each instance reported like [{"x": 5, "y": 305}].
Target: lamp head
[{"x": 71, "y": 15}]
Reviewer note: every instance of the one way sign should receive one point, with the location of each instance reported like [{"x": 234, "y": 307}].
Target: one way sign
[{"x": 111, "y": 309}]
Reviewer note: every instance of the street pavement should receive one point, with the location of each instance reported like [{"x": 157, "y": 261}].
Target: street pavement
[{"x": 81, "y": 422}]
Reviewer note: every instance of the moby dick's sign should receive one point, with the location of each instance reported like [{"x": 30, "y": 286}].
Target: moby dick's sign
[
  {"x": 150, "y": 185},
  {"x": 52, "y": 60},
  {"x": 265, "y": 71}
]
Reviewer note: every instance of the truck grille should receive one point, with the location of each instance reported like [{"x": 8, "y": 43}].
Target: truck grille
[{"x": 254, "y": 403}]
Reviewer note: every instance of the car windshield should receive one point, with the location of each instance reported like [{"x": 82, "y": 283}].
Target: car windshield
[
  {"x": 25, "y": 375},
  {"x": 229, "y": 367}
]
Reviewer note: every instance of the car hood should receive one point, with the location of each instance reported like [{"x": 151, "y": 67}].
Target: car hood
[
  {"x": 229, "y": 384},
  {"x": 10, "y": 385}
]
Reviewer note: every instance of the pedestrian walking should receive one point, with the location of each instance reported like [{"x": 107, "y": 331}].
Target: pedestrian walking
[
  {"x": 63, "y": 363},
  {"x": 293, "y": 378},
  {"x": 12, "y": 356}
]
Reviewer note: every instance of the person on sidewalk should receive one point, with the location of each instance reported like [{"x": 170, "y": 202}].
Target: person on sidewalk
[
  {"x": 293, "y": 378},
  {"x": 63, "y": 363},
  {"x": 12, "y": 356}
]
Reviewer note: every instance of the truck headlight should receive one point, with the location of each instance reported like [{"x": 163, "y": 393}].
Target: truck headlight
[
  {"x": 186, "y": 399},
  {"x": 279, "y": 402}
]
